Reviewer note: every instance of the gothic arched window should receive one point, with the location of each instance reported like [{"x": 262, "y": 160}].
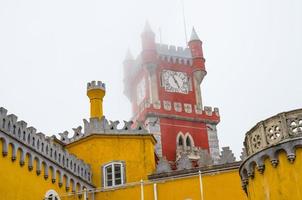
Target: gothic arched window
[
  {"x": 188, "y": 142},
  {"x": 180, "y": 141}
]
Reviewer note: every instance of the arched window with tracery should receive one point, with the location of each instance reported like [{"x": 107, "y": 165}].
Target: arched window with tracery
[
  {"x": 180, "y": 139},
  {"x": 189, "y": 140}
]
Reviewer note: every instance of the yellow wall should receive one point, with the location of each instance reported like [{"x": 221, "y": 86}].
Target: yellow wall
[
  {"x": 219, "y": 186},
  {"x": 18, "y": 183},
  {"x": 282, "y": 182},
  {"x": 136, "y": 151}
]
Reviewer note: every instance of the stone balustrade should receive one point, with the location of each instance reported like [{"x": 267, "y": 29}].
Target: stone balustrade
[{"x": 273, "y": 130}]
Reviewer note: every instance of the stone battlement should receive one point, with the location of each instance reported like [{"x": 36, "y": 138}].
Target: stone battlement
[
  {"x": 39, "y": 147},
  {"x": 175, "y": 55},
  {"x": 164, "y": 49},
  {"x": 96, "y": 85},
  {"x": 102, "y": 126}
]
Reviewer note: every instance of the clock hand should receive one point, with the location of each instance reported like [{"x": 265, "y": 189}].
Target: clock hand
[{"x": 175, "y": 81}]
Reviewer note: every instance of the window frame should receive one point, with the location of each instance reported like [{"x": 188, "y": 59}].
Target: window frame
[
  {"x": 51, "y": 194},
  {"x": 113, "y": 171}
]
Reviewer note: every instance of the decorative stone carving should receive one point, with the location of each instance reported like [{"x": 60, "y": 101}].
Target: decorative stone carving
[
  {"x": 274, "y": 130},
  {"x": 273, "y": 133},
  {"x": 163, "y": 165},
  {"x": 188, "y": 108},
  {"x": 127, "y": 125},
  {"x": 216, "y": 111},
  {"x": 213, "y": 143},
  {"x": 226, "y": 156},
  {"x": 184, "y": 162},
  {"x": 198, "y": 109},
  {"x": 64, "y": 136},
  {"x": 243, "y": 155},
  {"x": 167, "y": 105},
  {"x": 177, "y": 107},
  {"x": 295, "y": 126},
  {"x": 77, "y": 132},
  {"x": 256, "y": 141},
  {"x": 208, "y": 110},
  {"x": 205, "y": 158},
  {"x": 157, "y": 105}
]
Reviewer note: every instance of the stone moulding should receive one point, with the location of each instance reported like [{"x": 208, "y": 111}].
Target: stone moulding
[{"x": 40, "y": 148}]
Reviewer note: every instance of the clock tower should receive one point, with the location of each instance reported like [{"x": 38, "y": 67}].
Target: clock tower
[{"x": 163, "y": 86}]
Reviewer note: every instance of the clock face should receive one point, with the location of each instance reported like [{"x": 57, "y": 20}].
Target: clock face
[
  {"x": 140, "y": 91},
  {"x": 175, "y": 81}
]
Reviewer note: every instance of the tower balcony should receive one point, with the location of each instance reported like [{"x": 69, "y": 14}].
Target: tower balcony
[{"x": 272, "y": 169}]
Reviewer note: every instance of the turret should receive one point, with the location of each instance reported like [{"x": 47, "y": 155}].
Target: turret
[
  {"x": 96, "y": 92},
  {"x": 195, "y": 45},
  {"x": 199, "y": 73},
  {"x": 148, "y": 45}
]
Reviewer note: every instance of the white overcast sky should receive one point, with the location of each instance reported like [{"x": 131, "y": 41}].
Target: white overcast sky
[{"x": 50, "y": 49}]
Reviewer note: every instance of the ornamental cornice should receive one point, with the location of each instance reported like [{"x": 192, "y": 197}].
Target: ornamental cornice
[{"x": 256, "y": 161}]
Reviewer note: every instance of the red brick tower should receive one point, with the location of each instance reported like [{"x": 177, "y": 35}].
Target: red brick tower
[{"x": 163, "y": 85}]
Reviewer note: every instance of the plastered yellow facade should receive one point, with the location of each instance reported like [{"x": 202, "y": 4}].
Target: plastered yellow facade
[
  {"x": 280, "y": 182},
  {"x": 98, "y": 150},
  {"x": 225, "y": 185},
  {"x": 20, "y": 183},
  {"x": 137, "y": 151},
  {"x": 134, "y": 147}
]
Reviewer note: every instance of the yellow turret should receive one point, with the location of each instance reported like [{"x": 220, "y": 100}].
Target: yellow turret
[{"x": 96, "y": 92}]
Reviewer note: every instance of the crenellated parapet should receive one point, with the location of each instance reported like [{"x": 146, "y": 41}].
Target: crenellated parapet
[
  {"x": 175, "y": 55},
  {"x": 41, "y": 149},
  {"x": 266, "y": 146},
  {"x": 103, "y": 126},
  {"x": 178, "y": 108},
  {"x": 171, "y": 50}
]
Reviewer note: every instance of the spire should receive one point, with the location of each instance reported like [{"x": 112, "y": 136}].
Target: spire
[
  {"x": 147, "y": 27},
  {"x": 129, "y": 55},
  {"x": 194, "y": 35}
]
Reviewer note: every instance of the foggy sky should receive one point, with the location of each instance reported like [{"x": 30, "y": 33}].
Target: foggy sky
[{"x": 49, "y": 50}]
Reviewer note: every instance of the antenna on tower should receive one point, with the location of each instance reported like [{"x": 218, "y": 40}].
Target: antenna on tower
[{"x": 184, "y": 20}]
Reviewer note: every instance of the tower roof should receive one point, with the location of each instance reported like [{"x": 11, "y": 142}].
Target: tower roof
[
  {"x": 129, "y": 55},
  {"x": 194, "y": 35},
  {"x": 147, "y": 27}
]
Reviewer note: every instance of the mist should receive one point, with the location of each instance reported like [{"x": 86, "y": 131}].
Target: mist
[{"x": 49, "y": 50}]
